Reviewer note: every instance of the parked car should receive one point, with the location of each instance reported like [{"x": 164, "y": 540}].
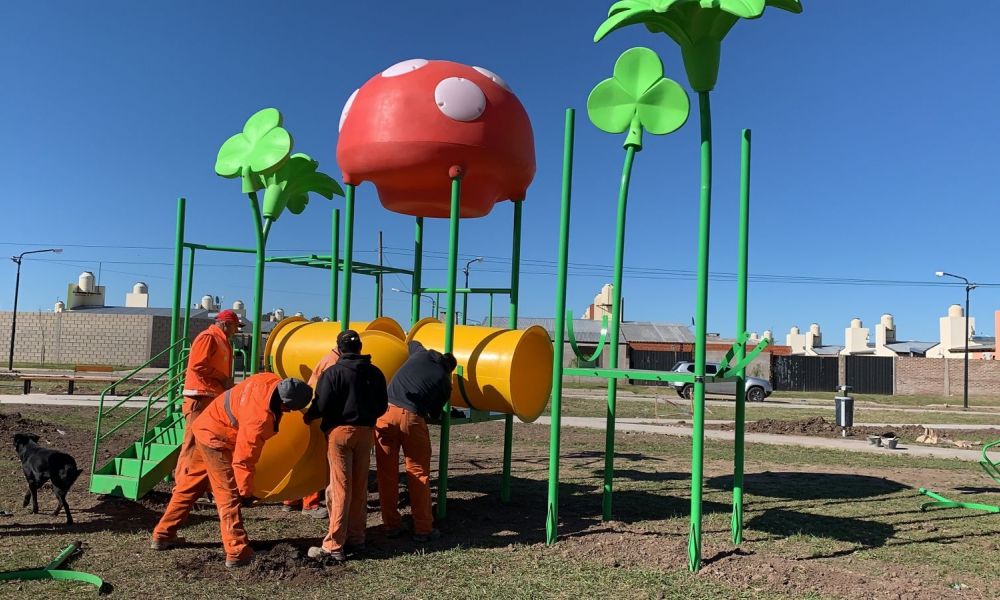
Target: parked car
[{"x": 756, "y": 388}]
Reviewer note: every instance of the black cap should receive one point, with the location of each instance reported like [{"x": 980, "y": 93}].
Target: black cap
[
  {"x": 295, "y": 394},
  {"x": 349, "y": 341}
]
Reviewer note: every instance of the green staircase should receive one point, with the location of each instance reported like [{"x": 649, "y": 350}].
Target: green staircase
[{"x": 141, "y": 465}]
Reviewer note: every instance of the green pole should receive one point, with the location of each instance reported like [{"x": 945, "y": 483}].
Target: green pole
[
  {"x": 334, "y": 263},
  {"x": 258, "y": 286},
  {"x": 741, "y": 327},
  {"x": 345, "y": 303},
  {"x": 515, "y": 275},
  {"x": 418, "y": 262},
  {"x": 491, "y": 311},
  {"x": 187, "y": 307},
  {"x": 449, "y": 339},
  {"x": 378, "y": 294},
  {"x": 616, "y": 303},
  {"x": 552, "y": 514},
  {"x": 437, "y": 306},
  {"x": 698, "y": 432},
  {"x": 175, "y": 310}
]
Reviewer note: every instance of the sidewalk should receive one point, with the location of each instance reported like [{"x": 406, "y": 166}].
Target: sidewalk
[{"x": 848, "y": 444}]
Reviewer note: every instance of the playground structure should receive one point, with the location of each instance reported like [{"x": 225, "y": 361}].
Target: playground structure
[
  {"x": 474, "y": 168},
  {"x": 501, "y": 372}
]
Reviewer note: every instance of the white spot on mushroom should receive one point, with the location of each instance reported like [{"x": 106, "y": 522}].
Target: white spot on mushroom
[
  {"x": 404, "y": 67},
  {"x": 494, "y": 77},
  {"x": 459, "y": 99},
  {"x": 347, "y": 109}
]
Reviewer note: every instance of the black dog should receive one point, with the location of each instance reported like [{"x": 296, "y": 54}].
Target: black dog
[{"x": 41, "y": 465}]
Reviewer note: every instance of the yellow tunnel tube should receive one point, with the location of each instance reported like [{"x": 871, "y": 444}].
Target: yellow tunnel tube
[
  {"x": 504, "y": 370},
  {"x": 293, "y": 463}
]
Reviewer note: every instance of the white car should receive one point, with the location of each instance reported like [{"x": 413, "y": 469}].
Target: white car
[{"x": 756, "y": 388}]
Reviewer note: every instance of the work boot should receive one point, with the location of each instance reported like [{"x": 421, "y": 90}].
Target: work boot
[
  {"x": 393, "y": 532},
  {"x": 317, "y": 513},
  {"x": 354, "y": 548},
  {"x": 423, "y": 538},
  {"x": 318, "y": 553},
  {"x": 239, "y": 562},
  {"x": 165, "y": 543}
]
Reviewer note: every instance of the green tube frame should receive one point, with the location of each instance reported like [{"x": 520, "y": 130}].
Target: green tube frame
[
  {"x": 701, "y": 316},
  {"x": 449, "y": 339},
  {"x": 175, "y": 310},
  {"x": 515, "y": 269},
  {"x": 552, "y": 511},
  {"x": 345, "y": 301},
  {"x": 334, "y": 263},
  {"x": 741, "y": 326},
  {"x": 418, "y": 265}
]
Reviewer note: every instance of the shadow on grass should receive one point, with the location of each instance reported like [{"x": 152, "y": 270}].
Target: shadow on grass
[
  {"x": 810, "y": 486},
  {"x": 862, "y": 533}
]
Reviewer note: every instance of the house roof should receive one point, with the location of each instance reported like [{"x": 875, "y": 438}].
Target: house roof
[
  {"x": 827, "y": 350},
  {"x": 199, "y": 313},
  {"x": 911, "y": 347}
]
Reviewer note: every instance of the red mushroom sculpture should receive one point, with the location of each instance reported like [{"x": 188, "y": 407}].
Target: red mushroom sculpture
[{"x": 408, "y": 128}]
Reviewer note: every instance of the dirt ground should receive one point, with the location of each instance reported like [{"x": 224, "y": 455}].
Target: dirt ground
[
  {"x": 812, "y": 530},
  {"x": 820, "y": 427}
]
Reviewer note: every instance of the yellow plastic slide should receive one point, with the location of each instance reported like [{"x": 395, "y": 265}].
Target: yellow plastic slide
[{"x": 505, "y": 370}]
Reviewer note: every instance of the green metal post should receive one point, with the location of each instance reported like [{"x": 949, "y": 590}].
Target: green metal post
[
  {"x": 378, "y": 296},
  {"x": 190, "y": 289},
  {"x": 616, "y": 304},
  {"x": 345, "y": 302},
  {"x": 515, "y": 276},
  {"x": 334, "y": 263},
  {"x": 490, "y": 321},
  {"x": 175, "y": 310},
  {"x": 258, "y": 285},
  {"x": 552, "y": 514},
  {"x": 449, "y": 339},
  {"x": 741, "y": 326},
  {"x": 701, "y": 314},
  {"x": 418, "y": 262}
]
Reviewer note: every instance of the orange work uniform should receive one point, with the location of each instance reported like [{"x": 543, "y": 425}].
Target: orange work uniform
[
  {"x": 397, "y": 428},
  {"x": 311, "y": 501},
  {"x": 229, "y": 436},
  {"x": 209, "y": 373}
]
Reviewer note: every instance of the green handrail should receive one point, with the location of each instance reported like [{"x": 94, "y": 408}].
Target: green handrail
[
  {"x": 175, "y": 372},
  {"x": 601, "y": 342}
]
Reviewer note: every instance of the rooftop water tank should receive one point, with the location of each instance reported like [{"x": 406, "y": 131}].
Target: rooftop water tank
[
  {"x": 855, "y": 323},
  {"x": 794, "y": 330},
  {"x": 60, "y": 306},
  {"x": 888, "y": 322},
  {"x": 86, "y": 282},
  {"x": 955, "y": 311},
  {"x": 140, "y": 288},
  {"x": 207, "y": 302},
  {"x": 238, "y": 305},
  {"x": 814, "y": 328}
]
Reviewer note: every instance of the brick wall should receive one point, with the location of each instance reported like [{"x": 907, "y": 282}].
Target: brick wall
[
  {"x": 945, "y": 376},
  {"x": 89, "y": 338}
]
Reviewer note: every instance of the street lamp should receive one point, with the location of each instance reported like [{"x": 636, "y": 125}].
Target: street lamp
[
  {"x": 17, "y": 287},
  {"x": 429, "y": 299},
  {"x": 465, "y": 295},
  {"x": 969, "y": 286}
]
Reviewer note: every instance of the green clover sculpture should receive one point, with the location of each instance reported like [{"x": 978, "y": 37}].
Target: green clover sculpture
[
  {"x": 260, "y": 149},
  {"x": 698, "y": 27},
  {"x": 638, "y": 98},
  {"x": 291, "y": 185}
]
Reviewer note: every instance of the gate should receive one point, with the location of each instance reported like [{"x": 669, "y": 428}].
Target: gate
[
  {"x": 869, "y": 374},
  {"x": 655, "y": 360},
  {"x": 804, "y": 373}
]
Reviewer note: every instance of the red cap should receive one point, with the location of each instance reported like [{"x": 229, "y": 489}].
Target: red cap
[{"x": 228, "y": 316}]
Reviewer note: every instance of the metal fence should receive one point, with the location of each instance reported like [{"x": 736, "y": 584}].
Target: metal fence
[
  {"x": 804, "y": 373},
  {"x": 655, "y": 360},
  {"x": 869, "y": 374}
]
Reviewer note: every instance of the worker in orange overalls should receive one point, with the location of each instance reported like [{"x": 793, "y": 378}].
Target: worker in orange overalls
[
  {"x": 229, "y": 436},
  {"x": 209, "y": 372},
  {"x": 419, "y": 389},
  {"x": 350, "y": 397},
  {"x": 311, "y": 503}
]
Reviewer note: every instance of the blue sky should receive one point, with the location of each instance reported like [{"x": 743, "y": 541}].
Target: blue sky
[{"x": 876, "y": 140}]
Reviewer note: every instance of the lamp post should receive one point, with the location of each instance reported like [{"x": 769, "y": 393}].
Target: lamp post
[
  {"x": 427, "y": 296},
  {"x": 969, "y": 286},
  {"x": 465, "y": 296},
  {"x": 17, "y": 286}
]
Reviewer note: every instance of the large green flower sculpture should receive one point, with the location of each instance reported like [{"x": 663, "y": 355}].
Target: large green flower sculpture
[
  {"x": 698, "y": 27},
  {"x": 260, "y": 149},
  {"x": 638, "y": 98}
]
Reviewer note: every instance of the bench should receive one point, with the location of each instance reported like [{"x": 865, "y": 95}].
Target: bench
[{"x": 71, "y": 380}]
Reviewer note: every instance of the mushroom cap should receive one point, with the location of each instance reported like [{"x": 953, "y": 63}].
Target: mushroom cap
[{"x": 409, "y": 128}]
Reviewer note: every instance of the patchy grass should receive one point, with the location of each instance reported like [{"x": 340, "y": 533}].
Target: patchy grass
[{"x": 819, "y": 524}]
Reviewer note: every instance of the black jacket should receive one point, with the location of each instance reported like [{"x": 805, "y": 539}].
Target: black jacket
[
  {"x": 351, "y": 392},
  {"x": 423, "y": 384}
]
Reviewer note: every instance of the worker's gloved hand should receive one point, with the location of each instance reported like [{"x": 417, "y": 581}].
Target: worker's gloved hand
[{"x": 249, "y": 501}]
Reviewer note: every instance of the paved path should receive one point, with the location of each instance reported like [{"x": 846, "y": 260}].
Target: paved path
[
  {"x": 67, "y": 400},
  {"x": 850, "y": 445}
]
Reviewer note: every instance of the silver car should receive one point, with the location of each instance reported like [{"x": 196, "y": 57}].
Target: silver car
[{"x": 756, "y": 388}]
